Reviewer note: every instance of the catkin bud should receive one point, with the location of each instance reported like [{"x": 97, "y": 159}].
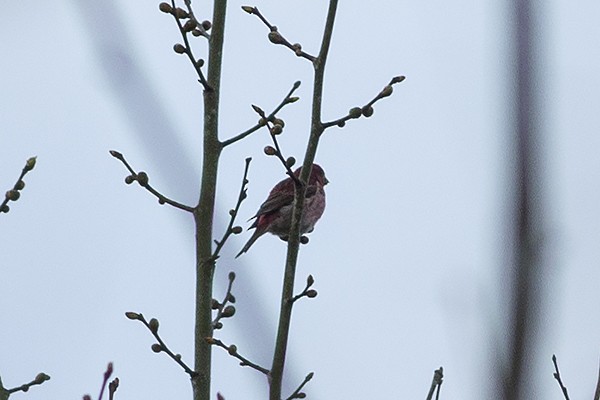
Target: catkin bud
[{"x": 270, "y": 150}]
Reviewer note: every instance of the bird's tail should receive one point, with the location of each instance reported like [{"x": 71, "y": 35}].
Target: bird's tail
[{"x": 250, "y": 242}]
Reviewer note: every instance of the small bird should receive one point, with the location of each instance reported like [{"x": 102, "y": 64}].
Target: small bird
[{"x": 275, "y": 214}]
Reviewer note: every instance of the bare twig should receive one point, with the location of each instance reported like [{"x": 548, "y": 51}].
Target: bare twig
[
  {"x": 14, "y": 193},
  {"x": 277, "y": 38},
  {"x": 107, "y": 374},
  {"x": 297, "y": 393},
  {"x": 307, "y": 292},
  {"x": 223, "y": 310},
  {"x": 367, "y": 109},
  {"x": 152, "y": 326},
  {"x": 436, "y": 383},
  {"x": 191, "y": 25},
  {"x": 288, "y": 99},
  {"x": 142, "y": 178},
  {"x": 112, "y": 388},
  {"x": 38, "y": 380},
  {"x": 558, "y": 379},
  {"x": 233, "y": 213},
  {"x": 232, "y": 350}
]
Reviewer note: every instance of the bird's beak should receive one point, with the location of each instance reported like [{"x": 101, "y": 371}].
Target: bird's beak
[{"x": 325, "y": 182}]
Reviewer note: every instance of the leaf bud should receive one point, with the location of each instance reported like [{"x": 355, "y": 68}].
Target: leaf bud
[
  {"x": 290, "y": 162},
  {"x": 303, "y": 239},
  {"x": 232, "y": 350},
  {"x": 341, "y": 124},
  {"x": 206, "y": 25},
  {"x": 13, "y": 195},
  {"x": 301, "y": 395},
  {"x": 367, "y": 111},
  {"x": 129, "y": 179},
  {"x": 355, "y": 112},
  {"x": 165, "y": 7},
  {"x": 153, "y": 324},
  {"x": 156, "y": 347},
  {"x": 5, "y": 208},
  {"x": 236, "y": 230},
  {"x": 30, "y": 164},
  {"x": 215, "y": 304},
  {"x": 228, "y": 312},
  {"x": 275, "y": 37},
  {"x": 292, "y": 99},
  {"x": 248, "y": 9},
  {"x": 270, "y": 150},
  {"x": 199, "y": 63},
  {"x": 312, "y": 293},
  {"x": 142, "y": 178},
  {"x": 133, "y": 315},
  {"x": 278, "y": 121},
  {"x": 231, "y": 276},
  {"x": 387, "y": 91},
  {"x": 276, "y": 130},
  {"x": 179, "y": 48},
  {"x": 310, "y": 280},
  {"x": 231, "y": 298},
  {"x": 218, "y": 325},
  {"x": 397, "y": 79},
  {"x": 40, "y": 378},
  {"x": 20, "y": 185},
  {"x": 189, "y": 25}
]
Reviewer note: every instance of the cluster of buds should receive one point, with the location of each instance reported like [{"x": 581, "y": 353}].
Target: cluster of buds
[
  {"x": 141, "y": 177},
  {"x": 187, "y": 23},
  {"x": 223, "y": 309}
]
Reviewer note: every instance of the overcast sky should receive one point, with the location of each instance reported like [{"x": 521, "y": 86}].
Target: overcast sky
[{"x": 411, "y": 256}]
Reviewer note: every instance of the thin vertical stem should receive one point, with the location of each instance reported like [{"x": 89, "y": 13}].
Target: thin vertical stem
[
  {"x": 285, "y": 314},
  {"x": 203, "y": 214}
]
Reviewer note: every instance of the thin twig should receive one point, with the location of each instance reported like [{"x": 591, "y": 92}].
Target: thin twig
[
  {"x": 558, "y": 378},
  {"x": 107, "y": 374},
  {"x": 224, "y": 311},
  {"x": 196, "y": 63},
  {"x": 436, "y": 382},
  {"x": 232, "y": 350},
  {"x": 288, "y": 99},
  {"x": 38, "y": 380},
  {"x": 112, "y": 388},
  {"x": 14, "y": 193},
  {"x": 367, "y": 109},
  {"x": 142, "y": 179},
  {"x": 297, "y": 394},
  {"x": 307, "y": 292},
  {"x": 160, "y": 346},
  {"x": 234, "y": 212},
  {"x": 277, "y": 38}
]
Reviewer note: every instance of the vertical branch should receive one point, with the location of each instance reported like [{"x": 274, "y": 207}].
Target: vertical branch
[
  {"x": 526, "y": 275},
  {"x": 285, "y": 313},
  {"x": 203, "y": 214}
]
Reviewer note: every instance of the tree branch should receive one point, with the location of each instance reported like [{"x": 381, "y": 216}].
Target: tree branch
[
  {"x": 277, "y": 38},
  {"x": 438, "y": 378},
  {"x": 38, "y": 380},
  {"x": 558, "y": 379},
  {"x": 152, "y": 326},
  {"x": 367, "y": 109},
  {"x": 224, "y": 311},
  {"x": 14, "y": 193},
  {"x": 297, "y": 393},
  {"x": 142, "y": 178},
  {"x": 263, "y": 121},
  {"x": 232, "y": 350}
]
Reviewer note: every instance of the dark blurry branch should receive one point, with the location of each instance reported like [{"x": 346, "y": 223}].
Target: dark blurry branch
[
  {"x": 224, "y": 310},
  {"x": 192, "y": 26},
  {"x": 142, "y": 178},
  {"x": 597, "y": 393},
  {"x": 159, "y": 347},
  {"x": 436, "y": 383},
  {"x": 277, "y": 38},
  {"x": 263, "y": 121},
  {"x": 112, "y": 386},
  {"x": 39, "y": 379},
  {"x": 233, "y": 214},
  {"x": 558, "y": 378},
  {"x": 297, "y": 393},
  {"x": 527, "y": 209},
  {"x": 232, "y": 350},
  {"x": 367, "y": 109},
  {"x": 14, "y": 193}
]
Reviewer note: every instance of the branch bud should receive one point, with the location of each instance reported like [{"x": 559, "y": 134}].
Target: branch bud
[
  {"x": 206, "y": 25},
  {"x": 156, "y": 347},
  {"x": 189, "y": 25},
  {"x": 276, "y": 130},
  {"x": 270, "y": 150},
  {"x": 142, "y": 178},
  {"x": 290, "y": 162},
  {"x": 312, "y": 293},
  {"x": 236, "y": 230},
  {"x": 215, "y": 304},
  {"x": 129, "y": 179},
  {"x": 310, "y": 280},
  {"x": 5, "y": 208},
  {"x": 133, "y": 315},
  {"x": 231, "y": 276},
  {"x": 387, "y": 91},
  {"x": 397, "y": 79},
  {"x": 355, "y": 112},
  {"x": 165, "y": 7},
  {"x": 181, "y": 13},
  {"x": 228, "y": 312},
  {"x": 248, "y": 9},
  {"x": 153, "y": 324},
  {"x": 41, "y": 378},
  {"x": 179, "y": 48},
  {"x": 303, "y": 239},
  {"x": 30, "y": 164},
  {"x": 13, "y": 195},
  {"x": 276, "y": 38},
  {"x": 367, "y": 111},
  {"x": 232, "y": 350},
  {"x": 20, "y": 185}
]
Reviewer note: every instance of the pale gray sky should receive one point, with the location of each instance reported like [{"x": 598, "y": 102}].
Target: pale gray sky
[{"x": 410, "y": 256}]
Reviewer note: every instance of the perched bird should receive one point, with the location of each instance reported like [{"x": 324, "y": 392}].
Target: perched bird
[{"x": 275, "y": 214}]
